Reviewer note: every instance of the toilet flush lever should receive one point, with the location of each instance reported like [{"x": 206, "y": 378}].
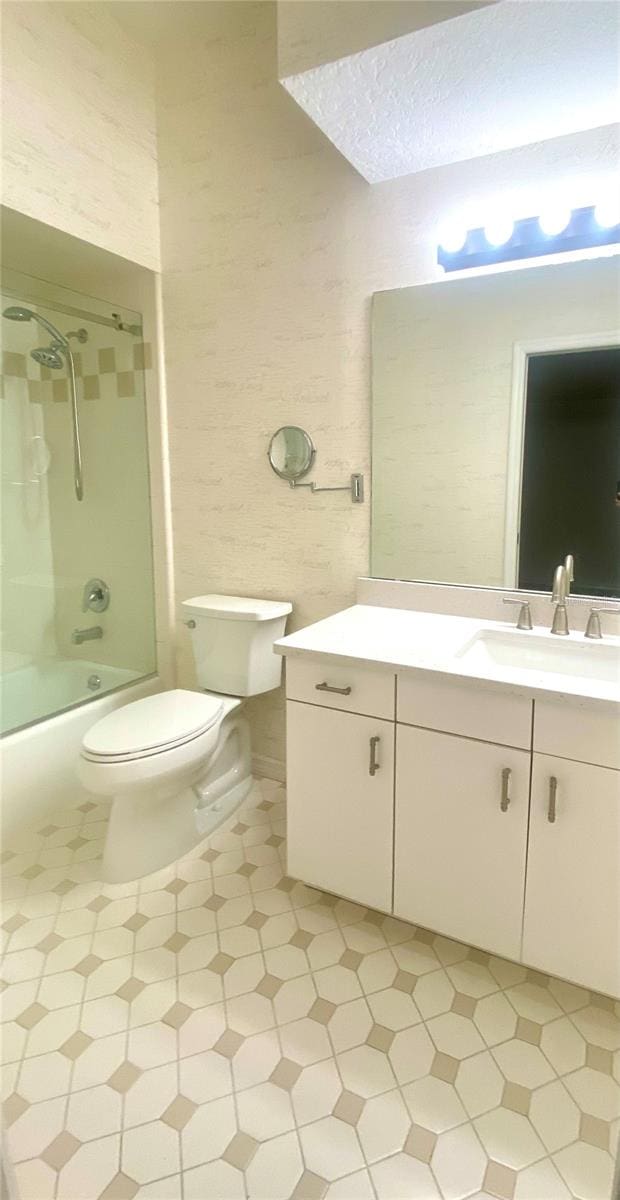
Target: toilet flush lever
[{"x": 191, "y": 624}]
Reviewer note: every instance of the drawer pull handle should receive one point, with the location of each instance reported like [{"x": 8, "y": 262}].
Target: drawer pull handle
[
  {"x": 553, "y": 792},
  {"x": 373, "y": 765},
  {"x": 327, "y": 687},
  {"x": 505, "y": 800}
]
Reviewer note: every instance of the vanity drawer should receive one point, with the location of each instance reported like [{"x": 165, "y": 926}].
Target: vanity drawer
[
  {"x": 469, "y": 708},
  {"x": 371, "y": 688},
  {"x": 582, "y": 730}
]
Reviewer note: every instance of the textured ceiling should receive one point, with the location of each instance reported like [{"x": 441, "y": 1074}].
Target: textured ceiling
[{"x": 507, "y": 75}]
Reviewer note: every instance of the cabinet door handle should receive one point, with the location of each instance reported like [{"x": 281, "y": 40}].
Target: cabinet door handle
[
  {"x": 327, "y": 687},
  {"x": 505, "y": 800},
  {"x": 553, "y": 792},
  {"x": 373, "y": 765}
]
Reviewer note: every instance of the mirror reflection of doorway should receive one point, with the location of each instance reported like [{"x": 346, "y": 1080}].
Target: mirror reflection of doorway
[{"x": 570, "y": 489}]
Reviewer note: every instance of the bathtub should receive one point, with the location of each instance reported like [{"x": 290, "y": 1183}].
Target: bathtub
[{"x": 38, "y": 762}]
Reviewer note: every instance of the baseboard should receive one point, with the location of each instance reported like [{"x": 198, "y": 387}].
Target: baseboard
[{"x": 264, "y": 767}]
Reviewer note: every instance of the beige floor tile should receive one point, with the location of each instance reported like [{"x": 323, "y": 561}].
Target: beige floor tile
[
  {"x": 35, "y": 1129},
  {"x": 214, "y": 1181},
  {"x": 522, "y": 1063},
  {"x": 294, "y": 999},
  {"x": 150, "y": 1152},
  {"x": 434, "y": 994},
  {"x": 94, "y": 1113},
  {"x": 305, "y": 1041},
  {"x": 495, "y": 1018},
  {"x": 588, "y": 1172},
  {"x": 316, "y": 1091},
  {"x": 366, "y": 1071},
  {"x": 416, "y": 957},
  {"x": 275, "y": 1169},
  {"x": 264, "y": 1111},
  {"x": 534, "y": 1002},
  {"x": 383, "y": 1126},
  {"x": 149, "y": 1097},
  {"x": 598, "y": 1026},
  {"x": 459, "y": 1162},
  {"x": 35, "y": 1180},
  {"x": 394, "y": 1009},
  {"x": 595, "y": 1093},
  {"x": 98, "y": 1061},
  {"x": 434, "y": 1104},
  {"x": 400, "y": 1176},
  {"x": 331, "y": 1148},
  {"x": 208, "y": 1132},
  {"x": 350, "y": 1024},
  {"x": 152, "y": 1045},
  {"x": 205, "y": 1076},
  {"x": 554, "y": 1115},
  {"x": 541, "y": 1180},
  {"x": 43, "y": 1077},
  {"x": 509, "y": 1138},
  {"x": 256, "y": 1059},
  {"x": 411, "y": 1054},
  {"x": 455, "y": 1035}
]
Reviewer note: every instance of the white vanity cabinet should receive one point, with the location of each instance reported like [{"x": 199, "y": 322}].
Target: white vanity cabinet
[
  {"x": 484, "y": 812},
  {"x": 572, "y": 898},
  {"x": 340, "y": 781},
  {"x": 461, "y": 837}
]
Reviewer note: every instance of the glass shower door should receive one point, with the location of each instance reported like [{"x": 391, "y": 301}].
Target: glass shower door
[{"x": 78, "y": 616}]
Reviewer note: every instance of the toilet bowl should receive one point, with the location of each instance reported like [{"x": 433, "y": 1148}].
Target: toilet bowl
[{"x": 176, "y": 764}]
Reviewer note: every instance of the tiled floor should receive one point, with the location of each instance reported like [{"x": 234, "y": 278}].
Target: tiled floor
[{"x": 219, "y": 1031}]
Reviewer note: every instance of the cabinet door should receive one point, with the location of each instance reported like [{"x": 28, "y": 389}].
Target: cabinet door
[
  {"x": 340, "y": 809},
  {"x": 460, "y": 838},
  {"x": 572, "y": 899}
]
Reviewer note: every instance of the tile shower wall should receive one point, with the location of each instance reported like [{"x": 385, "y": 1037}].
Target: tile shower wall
[
  {"x": 26, "y": 569},
  {"x": 75, "y": 543},
  {"x": 272, "y": 247}
]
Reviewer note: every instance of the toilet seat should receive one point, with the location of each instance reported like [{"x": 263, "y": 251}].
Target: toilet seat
[{"x": 151, "y": 726}]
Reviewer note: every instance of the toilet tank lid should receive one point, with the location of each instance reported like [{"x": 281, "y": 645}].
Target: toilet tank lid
[{"x": 236, "y": 608}]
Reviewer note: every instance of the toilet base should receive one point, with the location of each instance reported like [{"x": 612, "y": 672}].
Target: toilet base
[{"x": 153, "y": 827}]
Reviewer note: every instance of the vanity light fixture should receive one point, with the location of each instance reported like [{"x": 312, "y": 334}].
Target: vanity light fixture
[{"x": 553, "y": 232}]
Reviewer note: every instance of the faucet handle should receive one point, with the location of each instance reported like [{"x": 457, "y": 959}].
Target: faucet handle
[
  {"x": 569, "y": 567},
  {"x": 524, "y": 620},
  {"x": 593, "y": 628}
]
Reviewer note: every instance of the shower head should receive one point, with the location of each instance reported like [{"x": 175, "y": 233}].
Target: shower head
[
  {"x": 48, "y": 356},
  {"x": 17, "y": 312}
]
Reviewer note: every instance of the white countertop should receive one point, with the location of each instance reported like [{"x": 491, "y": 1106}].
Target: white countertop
[{"x": 420, "y": 641}]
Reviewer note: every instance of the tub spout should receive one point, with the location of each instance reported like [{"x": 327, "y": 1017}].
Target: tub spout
[{"x": 86, "y": 635}]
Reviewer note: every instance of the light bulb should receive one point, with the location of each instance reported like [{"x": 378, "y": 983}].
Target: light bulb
[
  {"x": 607, "y": 213},
  {"x": 452, "y": 239},
  {"x": 554, "y": 221},
  {"x": 498, "y": 231}
]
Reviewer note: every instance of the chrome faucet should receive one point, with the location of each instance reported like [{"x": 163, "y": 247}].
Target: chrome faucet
[
  {"x": 559, "y": 595},
  {"x": 86, "y": 635}
]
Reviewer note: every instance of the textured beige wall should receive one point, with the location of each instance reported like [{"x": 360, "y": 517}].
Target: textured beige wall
[
  {"x": 78, "y": 124},
  {"x": 442, "y": 392},
  {"x": 272, "y": 247},
  {"x": 313, "y": 32}
]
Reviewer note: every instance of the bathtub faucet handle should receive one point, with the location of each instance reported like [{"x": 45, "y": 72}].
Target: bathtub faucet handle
[{"x": 96, "y": 596}]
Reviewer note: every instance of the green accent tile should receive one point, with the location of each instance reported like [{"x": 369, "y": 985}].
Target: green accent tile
[
  {"x": 14, "y": 364},
  {"x": 126, "y": 383},
  {"x": 60, "y": 389},
  {"x": 107, "y": 360},
  {"x": 90, "y": 387}
]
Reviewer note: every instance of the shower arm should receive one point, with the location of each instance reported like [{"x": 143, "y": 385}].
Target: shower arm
[{"x": 78, "y": 482}]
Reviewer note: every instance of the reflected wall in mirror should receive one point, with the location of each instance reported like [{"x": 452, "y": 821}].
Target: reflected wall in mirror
[
  {"x": 496, "y": 429},
  {"x": 291, "y": 452}
]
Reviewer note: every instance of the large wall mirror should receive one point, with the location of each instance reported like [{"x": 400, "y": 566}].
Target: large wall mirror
[{"x": 496, "y": 429}]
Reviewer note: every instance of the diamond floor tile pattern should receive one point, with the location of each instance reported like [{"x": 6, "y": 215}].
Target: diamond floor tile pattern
[{"x": 219, "y": 1031}]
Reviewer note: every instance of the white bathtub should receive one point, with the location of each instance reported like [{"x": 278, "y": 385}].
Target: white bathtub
[
  {"x": 32, "y": 693},
  {"x": 38, "y": 763}
]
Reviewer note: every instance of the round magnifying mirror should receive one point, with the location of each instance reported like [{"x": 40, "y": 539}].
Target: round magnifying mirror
[{"x": 291, "y": 452}]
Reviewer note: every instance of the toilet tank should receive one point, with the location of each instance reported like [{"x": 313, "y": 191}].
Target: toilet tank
[{"x": 232, "y": 642}]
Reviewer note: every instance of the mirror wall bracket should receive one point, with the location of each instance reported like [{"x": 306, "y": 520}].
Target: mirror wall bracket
[{"x": 355, "y": 487}]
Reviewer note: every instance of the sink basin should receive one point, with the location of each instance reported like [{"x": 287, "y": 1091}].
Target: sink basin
[{"x": 492, "y": 649}]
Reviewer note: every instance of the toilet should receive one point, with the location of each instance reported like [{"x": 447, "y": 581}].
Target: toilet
[{"x": 178, "y": 763}]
